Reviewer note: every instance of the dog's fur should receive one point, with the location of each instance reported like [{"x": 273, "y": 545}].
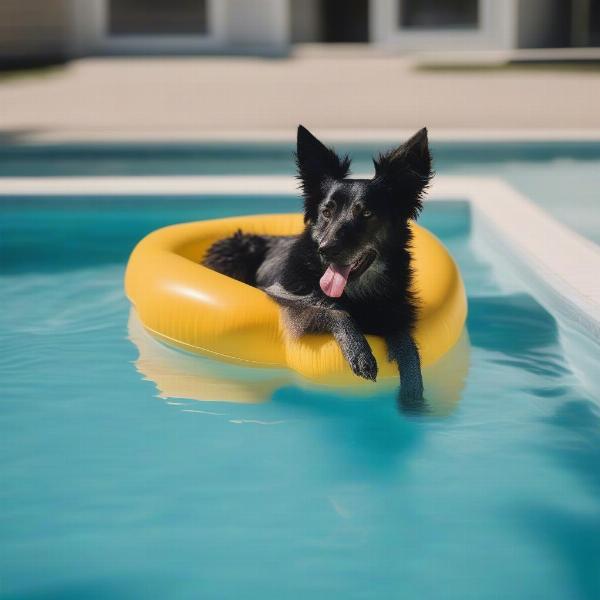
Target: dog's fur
[{"x": 347, "y": 221}]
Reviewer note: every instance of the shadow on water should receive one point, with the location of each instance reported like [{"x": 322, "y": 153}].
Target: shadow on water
[
  {"x": 98, "y": 589},
  {"x": 517, "y": 332},
  {"x": 514, "y": 330},
  {"x": 363, "y": 419},
  {"x": 365, "y": 434},
  {"x": 573, "y": 532},
  {"x": 526, "y": 336}
]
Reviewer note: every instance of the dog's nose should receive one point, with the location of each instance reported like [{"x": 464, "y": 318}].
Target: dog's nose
[{"x": 328, "y": 248}]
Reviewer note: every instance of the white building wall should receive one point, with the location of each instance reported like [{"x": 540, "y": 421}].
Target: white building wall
[
  {"x": 305, "y": 23},
  {"x": 87, "y": 23},
  {"x": 257, "y": 24}
]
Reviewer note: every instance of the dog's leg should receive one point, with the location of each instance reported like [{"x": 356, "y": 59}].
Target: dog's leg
[
  {"x": 402, "y": 349},
  {"x": 308, "y": 314},
  {"x": 353, "y": 344}
]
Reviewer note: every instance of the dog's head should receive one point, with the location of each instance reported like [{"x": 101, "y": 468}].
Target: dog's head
[{"x": 351, "y": 220}]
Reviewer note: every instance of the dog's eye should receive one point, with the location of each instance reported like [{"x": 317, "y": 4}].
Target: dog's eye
[
  {"x": 367, "y": 214},
  {"x": 326, "y": 213}
]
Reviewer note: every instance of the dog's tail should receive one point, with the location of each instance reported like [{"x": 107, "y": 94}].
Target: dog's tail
[{"x": 238, "y": 256}]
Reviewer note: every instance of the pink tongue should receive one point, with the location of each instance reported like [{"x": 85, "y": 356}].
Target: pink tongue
[{"x": 334, "y": 280}]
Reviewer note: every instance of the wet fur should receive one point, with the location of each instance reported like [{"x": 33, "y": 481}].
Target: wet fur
[{"x": 289, "y": 268}]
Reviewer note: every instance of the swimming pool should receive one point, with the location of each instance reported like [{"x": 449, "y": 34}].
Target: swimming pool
[{"x": 115, "y": 483}]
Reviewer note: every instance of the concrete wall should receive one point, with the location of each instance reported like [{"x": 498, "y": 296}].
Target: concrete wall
[
  {"x": 86, "y": 23},
  {"x": 32, "y": 31},
  {"x": 260, "y": 24}
]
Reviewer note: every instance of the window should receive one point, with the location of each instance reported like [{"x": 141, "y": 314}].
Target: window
[
  {"x": 158, "y": 17},
  {"x": 439, "y": 14},
  {"x": 345, "y": 20},
  {"x": 594, "y": 32}
]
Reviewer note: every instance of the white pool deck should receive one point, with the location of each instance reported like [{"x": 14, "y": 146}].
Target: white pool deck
[{"x": 560, "y": 266}]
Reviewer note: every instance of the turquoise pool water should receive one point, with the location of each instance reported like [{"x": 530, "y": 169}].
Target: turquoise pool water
[
  {"x": 563, "y": 177},
  {"x": 110, "y": 491}
]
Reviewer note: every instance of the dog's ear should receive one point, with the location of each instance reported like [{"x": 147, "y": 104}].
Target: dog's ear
[
  {"x": 406, "y": 172},
  {"x": 316, "y": 163}
]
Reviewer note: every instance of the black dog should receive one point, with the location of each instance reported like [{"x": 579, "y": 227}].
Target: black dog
[{"x": 349, "y": 272}]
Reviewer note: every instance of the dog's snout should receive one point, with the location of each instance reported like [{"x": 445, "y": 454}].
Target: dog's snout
[{"x": 329, "y": 248}]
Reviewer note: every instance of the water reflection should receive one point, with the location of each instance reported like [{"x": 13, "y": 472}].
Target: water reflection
[{"x": 178, "y": 375}]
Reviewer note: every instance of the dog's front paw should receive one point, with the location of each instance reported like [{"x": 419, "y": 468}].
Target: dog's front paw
[{"x": 364, "y": 365}]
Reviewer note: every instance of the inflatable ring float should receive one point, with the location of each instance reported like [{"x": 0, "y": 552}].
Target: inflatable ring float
[{"x": 187, "y": 305}]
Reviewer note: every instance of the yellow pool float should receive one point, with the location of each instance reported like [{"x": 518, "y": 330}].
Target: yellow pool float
[{"x": 187, "y": 305}]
